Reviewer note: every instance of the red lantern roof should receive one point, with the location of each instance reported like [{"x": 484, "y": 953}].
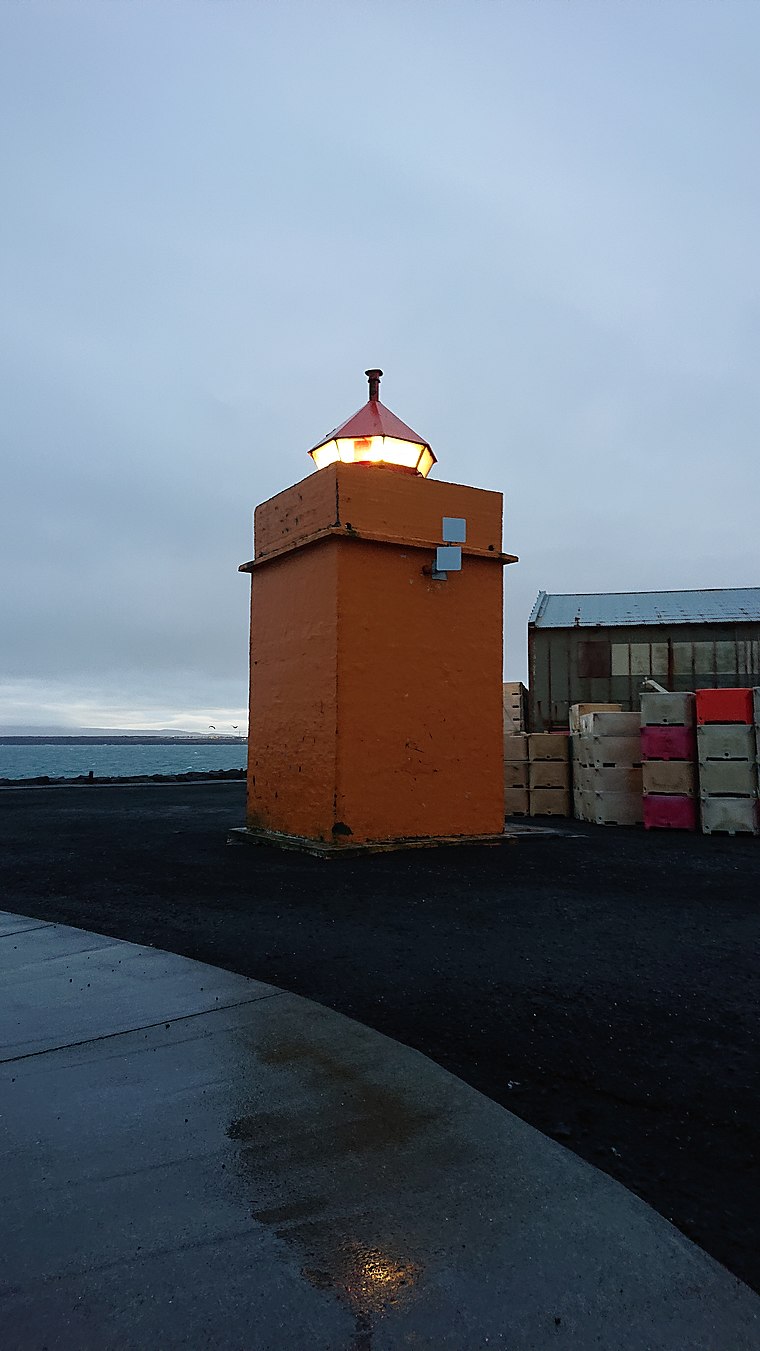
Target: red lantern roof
[{"x": 374, "y": 419}]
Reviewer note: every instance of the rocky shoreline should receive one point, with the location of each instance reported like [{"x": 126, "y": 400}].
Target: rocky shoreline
[{"x": 190, "y": 776}]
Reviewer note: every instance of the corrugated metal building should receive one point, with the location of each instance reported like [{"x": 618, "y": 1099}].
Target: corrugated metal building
[{"x": 599, "y": 648}]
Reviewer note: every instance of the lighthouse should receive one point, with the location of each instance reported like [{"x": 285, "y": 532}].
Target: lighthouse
[{"x": 376, "y": 649}]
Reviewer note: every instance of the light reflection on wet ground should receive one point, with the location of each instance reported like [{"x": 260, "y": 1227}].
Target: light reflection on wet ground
[{"x": 353, "y": 1129}]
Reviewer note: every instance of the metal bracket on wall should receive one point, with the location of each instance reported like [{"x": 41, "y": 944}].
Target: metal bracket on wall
[{"x": 448, "y": 556}]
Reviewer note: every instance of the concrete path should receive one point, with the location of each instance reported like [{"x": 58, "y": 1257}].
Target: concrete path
[{"x": 193, "y": 1159}]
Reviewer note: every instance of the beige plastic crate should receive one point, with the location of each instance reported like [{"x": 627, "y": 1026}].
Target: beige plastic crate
[
  {"x": 669, "y": 776},
  {"x": 730, "y": 778},
  {"x": 610, "y": 724},
  {"x": 610, "y": 779},
  {"x": 549, "y": 774},
  {"x": 516, "y": 746},
  {"x": 667, "y": 710},
  {"x": 578, "y": 710},
  {"x": 516, "y": 774},
  {"x": 515, "y": 704},
  {"x": 550, "y": 802},
  {"x": 516, "y": 802},
  {"x": 513, "y": 723},
  {"x": 548, "y": 746},
  {"x": 729, "y": 815},
  {"x": 513, "y": 693}
]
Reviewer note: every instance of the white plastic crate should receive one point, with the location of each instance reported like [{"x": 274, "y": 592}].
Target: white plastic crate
[
  {"x": 729, "y": 815},
  {"x": 667, "y": 710},
  {"x": 609, "y": 779},
  {"x": 610, "y": 724},
  {"x": 599, "y": 751},
  {"x": 726, "y": 741},
  {"x": 577, "y": 711},
  {"x": 729, "y": 778},
  {"x": 609, "y": 809}
]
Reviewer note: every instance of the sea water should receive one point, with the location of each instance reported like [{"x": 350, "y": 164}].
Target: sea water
[{"x": 61, "y": 759}]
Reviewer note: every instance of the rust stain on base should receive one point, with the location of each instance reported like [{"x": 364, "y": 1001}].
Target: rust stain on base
[{"x": 326, "y": 849}]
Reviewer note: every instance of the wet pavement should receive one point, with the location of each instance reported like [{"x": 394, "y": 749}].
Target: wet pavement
[{"x": 191, "y": 1158}]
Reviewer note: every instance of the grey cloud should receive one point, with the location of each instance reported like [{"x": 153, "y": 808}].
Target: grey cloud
[{"x": 541, "y": 220}]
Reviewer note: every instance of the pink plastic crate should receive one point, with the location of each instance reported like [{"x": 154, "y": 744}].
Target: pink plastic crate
[
  {"x": 665, "y": 812},
  {"x": 668, "y": 743}
]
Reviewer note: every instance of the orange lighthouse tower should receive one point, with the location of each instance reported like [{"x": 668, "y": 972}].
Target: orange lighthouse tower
[{"x": 376, "y": 649}]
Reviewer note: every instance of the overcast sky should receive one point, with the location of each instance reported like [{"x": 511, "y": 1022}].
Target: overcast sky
[{"x": 539, "y": 217}]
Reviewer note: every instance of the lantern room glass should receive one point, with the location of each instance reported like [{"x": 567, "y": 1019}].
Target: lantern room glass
[{"x": 412, "y": 456}]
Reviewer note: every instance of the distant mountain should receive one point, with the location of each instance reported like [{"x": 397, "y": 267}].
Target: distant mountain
[
  {"x": 45, "y": 730},
  {"x": 151, "y": 731}
]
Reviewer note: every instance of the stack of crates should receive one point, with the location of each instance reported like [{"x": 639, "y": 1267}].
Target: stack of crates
[
  {"x": 669, "y": 753},
  {"x": 577, "y": 711},
  {"x": 515, "y": 702},
  {"x": 727, "y": 749},
  {"x": 549, "y": 774},
  {"x": 607, "y": 769},
  {"x": 516, "y": 800}
]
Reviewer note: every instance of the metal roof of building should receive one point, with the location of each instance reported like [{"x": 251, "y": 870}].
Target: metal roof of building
[{"x": 740, "y": 605}]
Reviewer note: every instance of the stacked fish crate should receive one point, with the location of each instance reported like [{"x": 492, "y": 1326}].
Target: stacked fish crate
[
  {"x": 549, "y": 774},
  {"x": 577, "y": 711},
  {"x": 669, "y": 753},
  {"x": 516, "y": 800},
  {"x": 607, "y": 769},
  {"x": 515, "y": 702},
  {"x": 727, "y": 748}
]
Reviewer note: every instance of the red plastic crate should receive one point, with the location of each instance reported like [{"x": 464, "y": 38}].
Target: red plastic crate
[
  {"x": 665, "y": 812},
  {"x": 725, "y": 706},
  {"x": 668, "y": 743}
]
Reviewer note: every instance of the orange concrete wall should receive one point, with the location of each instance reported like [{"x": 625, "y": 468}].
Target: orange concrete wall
[
  {"x": 404, "y": 507},
  {"x": 419, "y": 696},
  {"x": 297, "y": 513},
  {"x": 359, "y": 500},
  {"x": 293, "y": 717},
  {"x": 376, "y": 692}
]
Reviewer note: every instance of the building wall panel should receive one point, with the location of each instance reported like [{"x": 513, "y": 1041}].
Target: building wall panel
[{"x": 681, "y": 657}]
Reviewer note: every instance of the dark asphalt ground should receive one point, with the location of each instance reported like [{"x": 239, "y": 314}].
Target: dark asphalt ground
[{"x": 602, "y": 985}]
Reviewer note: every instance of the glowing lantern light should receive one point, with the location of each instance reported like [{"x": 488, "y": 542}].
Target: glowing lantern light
[{"x": 375, "y": 435}]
